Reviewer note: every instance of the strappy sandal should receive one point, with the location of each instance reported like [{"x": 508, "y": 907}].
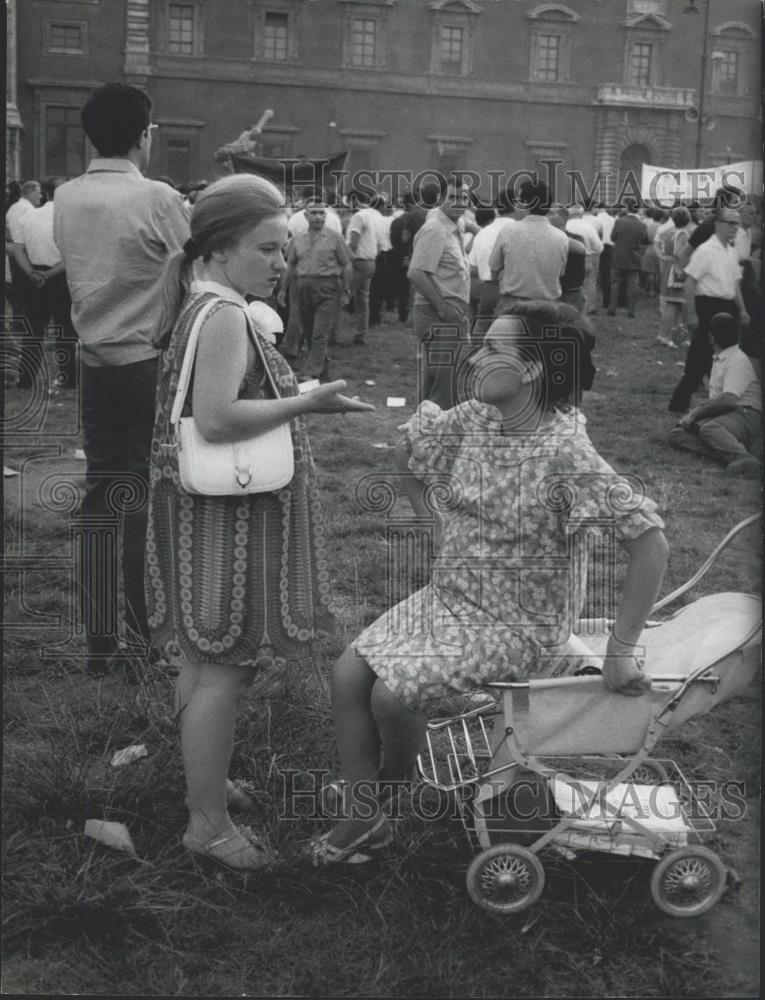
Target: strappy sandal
[
  {"x": 322, "y": 854},
  {"x": 252, "y": 853}
]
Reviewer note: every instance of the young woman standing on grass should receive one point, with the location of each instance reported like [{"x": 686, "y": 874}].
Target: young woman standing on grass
[
  {"x": 526, "y": 488},
  {"x": 233, "y": 584}
]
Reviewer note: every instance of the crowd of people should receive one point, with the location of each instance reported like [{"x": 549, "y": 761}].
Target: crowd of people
[{"x": 219, "y": 587}]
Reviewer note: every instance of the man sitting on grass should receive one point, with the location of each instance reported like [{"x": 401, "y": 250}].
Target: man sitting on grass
[{"x": 727, "y": 426}]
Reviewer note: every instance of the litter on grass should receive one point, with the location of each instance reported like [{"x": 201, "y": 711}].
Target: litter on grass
[
  {"x": 370, "y": 381},
  {"x": 111, "y": 834},
  {"x": 308, "y": 385},
  {"x": 395, "y": 401},
  {"x": 79, "y": 454},
  {"x": 381, "y": 446},
  {"x": 129, "y": 754}
]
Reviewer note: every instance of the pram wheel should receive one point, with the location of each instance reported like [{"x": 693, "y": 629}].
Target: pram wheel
[
  {"x": 688, "y": 881},
  {"x": 505, "y": 878},
  {"x": 649, "y": 773}
]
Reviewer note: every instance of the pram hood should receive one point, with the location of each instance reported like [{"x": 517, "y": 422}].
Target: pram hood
[{"x": 719, "y": 635}]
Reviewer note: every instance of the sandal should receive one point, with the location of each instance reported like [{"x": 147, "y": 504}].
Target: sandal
[
  {"x": 322, "y": 854},
  {"x": 240, "y": 849}
]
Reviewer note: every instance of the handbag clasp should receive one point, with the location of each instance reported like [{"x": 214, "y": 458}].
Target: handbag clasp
[{"x": 243, "y": 476}]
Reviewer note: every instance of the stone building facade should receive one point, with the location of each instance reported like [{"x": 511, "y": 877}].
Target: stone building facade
[{"x": 490, "y": 85}]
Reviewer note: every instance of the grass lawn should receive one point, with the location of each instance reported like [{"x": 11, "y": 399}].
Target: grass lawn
[{"x": 81, "y": 918}]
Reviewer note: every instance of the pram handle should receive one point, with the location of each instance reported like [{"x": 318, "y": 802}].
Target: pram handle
[{"x": 706, "y": 566}]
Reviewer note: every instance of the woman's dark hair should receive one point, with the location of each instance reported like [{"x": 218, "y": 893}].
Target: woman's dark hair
[
  {"x": 114, "y": 116},
  {"x": 681, "y": 217},
  {"x": 561, "y": 339}
]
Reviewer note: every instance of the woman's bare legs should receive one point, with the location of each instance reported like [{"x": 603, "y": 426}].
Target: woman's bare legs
[
  {"x": 207, "y": 737},
  {"x": 368, "y": 718}
]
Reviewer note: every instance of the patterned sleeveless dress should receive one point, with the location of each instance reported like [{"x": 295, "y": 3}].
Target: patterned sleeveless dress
[{"x": 233, "y": 580}]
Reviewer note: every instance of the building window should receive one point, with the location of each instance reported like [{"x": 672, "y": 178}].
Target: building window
[
  {"x": 726, "y": 72},
  {"x": 275, "y": 36},
  {"x": 552, "y": 33},
  {"x": 641, "y": 64},
  {"x": 64, "y": 149},
  {"x": 658, "y": 7},
  {"x": 363, "y": 42},
  {"x": 65, "y": 37},
  {"x": 180, "y": 33},
  {"x": 452, "y": 47},
  {"x": 547, "y": 63}
]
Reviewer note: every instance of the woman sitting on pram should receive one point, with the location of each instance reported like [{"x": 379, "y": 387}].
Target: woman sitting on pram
[{"x": 522, "y": 492}]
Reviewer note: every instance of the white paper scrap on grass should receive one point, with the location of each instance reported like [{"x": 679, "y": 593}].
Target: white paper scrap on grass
[
  {"x": 382, "y": 447},
  {"x": 370, "y": 381},
  {"x": 395, "y": 401},
  {"x": 128, "y": 754},
  {"x": 79, "y": 454},
  {"x": 308, "y": 385},
  {"x": 111, "y": 834}
]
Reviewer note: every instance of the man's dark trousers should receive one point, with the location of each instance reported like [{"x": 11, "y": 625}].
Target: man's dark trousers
[
  {"x": 118, "y": 404},
  {"x": 319, "y": 298},
  {"x": 698, "y": 361},
  {"x": 604, "y": 267},
  {"x": 50, "y": 301}
]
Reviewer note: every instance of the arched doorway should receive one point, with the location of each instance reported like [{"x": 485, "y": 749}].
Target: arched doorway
[{"x": 630, "y": 165}]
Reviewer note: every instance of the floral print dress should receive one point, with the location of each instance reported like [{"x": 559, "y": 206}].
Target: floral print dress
[{"x": 519, "y": 514}]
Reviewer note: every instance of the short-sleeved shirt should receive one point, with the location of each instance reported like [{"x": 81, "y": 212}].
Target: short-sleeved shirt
[
  {"x": 15, "y": 218},
  {"x": 323, "y": 255},
  {"x": 116, "y": 229},
  {"x": 732, "y": 371},
  {"x": 530, "y": 258},
  {"x": 366, "y": 223},
  {"x": 715, "y": 268},
  {"x": 37, "y": 237},
  {"x": 509, "y": 581},
  {"x": 483, "y": 244},
  {"x": 438, "y": 250}
]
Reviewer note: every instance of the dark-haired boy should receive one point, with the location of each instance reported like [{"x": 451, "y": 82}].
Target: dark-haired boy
[
  {"x": 115, "y": 230},
  {"x": 728, "y": 425}
]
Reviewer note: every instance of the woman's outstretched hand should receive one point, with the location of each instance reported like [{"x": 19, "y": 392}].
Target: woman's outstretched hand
[
  {"x": 329, "y": 398},
  {"x": 624, "y": 675}
]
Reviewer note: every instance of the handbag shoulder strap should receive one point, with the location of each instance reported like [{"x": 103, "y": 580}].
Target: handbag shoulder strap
[{"x": 191, "y": 349}]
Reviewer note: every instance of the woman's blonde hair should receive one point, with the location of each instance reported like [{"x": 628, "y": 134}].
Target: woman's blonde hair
[{"x": 222, "y": 214}]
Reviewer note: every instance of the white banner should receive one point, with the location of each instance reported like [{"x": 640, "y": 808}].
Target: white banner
[{"x": 664, "y": 185}]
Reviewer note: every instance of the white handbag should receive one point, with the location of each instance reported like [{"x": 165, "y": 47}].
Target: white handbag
[{"x": 258, "y": 464}]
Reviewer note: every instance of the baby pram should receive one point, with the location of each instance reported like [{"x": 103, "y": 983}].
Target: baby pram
[{"x": 562, "y": 766}]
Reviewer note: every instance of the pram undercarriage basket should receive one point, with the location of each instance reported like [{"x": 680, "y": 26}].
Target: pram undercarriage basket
[{"x": 563, "y": 766}]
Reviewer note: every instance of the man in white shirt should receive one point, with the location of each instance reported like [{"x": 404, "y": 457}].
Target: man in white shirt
[
  {"x": 712, "y": 285},
  {"x": 579, "y": 225},
  {"x": 478, "y": 258},
  {"x": 39, "y": 257},
  {"x": 20, "y": 283},
  {"x": 728, "y": 425},
  {"x": 363, "y": 239},
  {"x": 31, "y": 196}
]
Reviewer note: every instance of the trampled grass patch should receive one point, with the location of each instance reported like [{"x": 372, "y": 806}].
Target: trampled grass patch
[{"x": 80, "y": 918}]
